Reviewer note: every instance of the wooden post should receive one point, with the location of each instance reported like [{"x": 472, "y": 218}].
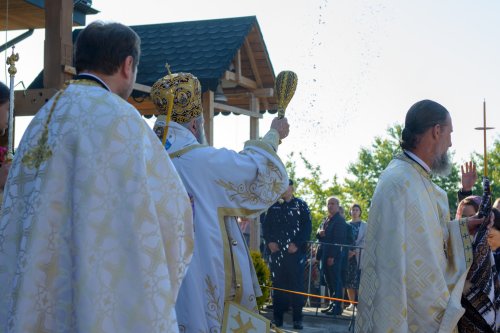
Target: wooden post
[
  {"x": 254, "y": 121},
  {"x": 254, "y": 234},
  {"x": 254, "y": 135},
  {"x": 58, "y": 43},
  {"x": 208, "y": 115}
]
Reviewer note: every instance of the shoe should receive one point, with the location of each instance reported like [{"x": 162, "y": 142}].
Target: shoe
[
  {"x": 325, "y": 310},
  {"x": 351, "y": 307},
  {"x": 297, "y": 325},
  {"x": 334, "y": 311},
  {"x": 277, "y": 323}
]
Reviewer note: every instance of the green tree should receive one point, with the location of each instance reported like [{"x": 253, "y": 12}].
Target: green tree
[
  {"x": 365, "y": 172},
  {"x": 493, "y": 170},
  {"x": 313, "y": 188},
  {"x": 363, "y": 176}
]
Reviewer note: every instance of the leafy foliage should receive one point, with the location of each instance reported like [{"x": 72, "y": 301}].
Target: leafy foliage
[
  {"x": 359, "y": 186},
  {"x": 493, "y": 170},
  {"x": 263, "y": 275},
  {"x": 365, "y": 172},
  {"x": 313, "y": 189}
]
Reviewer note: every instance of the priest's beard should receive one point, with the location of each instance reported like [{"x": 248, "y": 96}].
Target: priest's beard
[{"x": 441, "y": 165}]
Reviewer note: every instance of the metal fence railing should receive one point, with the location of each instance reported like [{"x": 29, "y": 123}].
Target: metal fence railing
[
  {"x": 321, "y": 286},
  {"x": 346, "y": 273}
]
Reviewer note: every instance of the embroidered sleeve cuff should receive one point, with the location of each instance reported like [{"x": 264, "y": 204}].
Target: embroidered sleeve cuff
[
  {"x": 272, "y": 138},
  {"x": 466, "y": 239}
]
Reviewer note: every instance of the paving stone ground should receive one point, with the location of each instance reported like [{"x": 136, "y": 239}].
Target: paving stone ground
[{"x": 316, "y": 322}]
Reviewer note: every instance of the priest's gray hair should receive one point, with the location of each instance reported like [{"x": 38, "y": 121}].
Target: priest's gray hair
[{"x": 202, "y": 139}]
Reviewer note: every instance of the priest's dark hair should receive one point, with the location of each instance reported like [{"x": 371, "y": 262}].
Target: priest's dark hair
[
  {"x": 103, "y": 47},
  {"x": 4, "y": 93},
  {"x": 419, "y": 118}
]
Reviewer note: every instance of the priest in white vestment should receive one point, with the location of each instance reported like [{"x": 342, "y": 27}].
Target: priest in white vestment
[
  {"x": 415, "y": 260},
  {"x": 96, "y": 229},
  {"x": 223, "y": 185}
]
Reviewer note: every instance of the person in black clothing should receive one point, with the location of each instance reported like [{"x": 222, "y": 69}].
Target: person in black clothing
[
  {"x": 333, "y": 230},
  {"x": 287, "y": 228}
]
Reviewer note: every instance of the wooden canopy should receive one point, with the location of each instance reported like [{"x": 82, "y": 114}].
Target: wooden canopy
[
  {"x": 229, "y": 54},
  {"x": 30, "y": 14}
]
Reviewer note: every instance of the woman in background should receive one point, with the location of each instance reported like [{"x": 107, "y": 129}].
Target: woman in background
[
  {"x": 468, "y": 206},
  {"x": 480, "y": 297},
  {"x": 358, "y": 228}
]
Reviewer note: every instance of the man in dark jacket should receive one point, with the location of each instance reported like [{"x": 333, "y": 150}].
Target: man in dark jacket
[
  {"x": 333, "y": 230},
  {"x": 287, "y": 228}
]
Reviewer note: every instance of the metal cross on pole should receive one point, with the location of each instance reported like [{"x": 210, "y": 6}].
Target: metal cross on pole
[
  {"x": 11, "y": 61},
  {"x": 484, "y": 129}
]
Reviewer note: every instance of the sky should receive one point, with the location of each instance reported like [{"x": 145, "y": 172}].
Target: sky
[{"x": 361, "y": 65}]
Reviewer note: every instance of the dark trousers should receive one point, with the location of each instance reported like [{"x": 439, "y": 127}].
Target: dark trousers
[
  {"x": 288, "y": 273},
  {"x": 334, "y": 283}
]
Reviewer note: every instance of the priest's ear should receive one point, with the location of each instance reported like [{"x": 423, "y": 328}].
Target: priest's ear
[
  {"x": 127, "y": 68},
  {"x": 436, "y": 131},
  {"x": 193, "y": 126}
]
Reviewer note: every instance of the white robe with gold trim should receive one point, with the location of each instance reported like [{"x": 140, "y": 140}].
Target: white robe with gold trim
[
  {"x": 96, "y": 235},
  {"x": 415, "y": 261},
  {"x": 223, "y": 185}
]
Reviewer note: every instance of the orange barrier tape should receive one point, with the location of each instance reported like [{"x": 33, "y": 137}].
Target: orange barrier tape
[{"x": 312, "y": 295}]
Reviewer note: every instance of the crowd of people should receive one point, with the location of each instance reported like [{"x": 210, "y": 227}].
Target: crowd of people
[
  {"x": 106, "y": 228},
  {"x": 422, "y": 272},
  {"x": 335, "y": 264}
]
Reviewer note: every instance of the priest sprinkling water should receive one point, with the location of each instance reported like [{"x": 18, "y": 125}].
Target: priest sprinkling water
[{"x": 223, "y": 185}]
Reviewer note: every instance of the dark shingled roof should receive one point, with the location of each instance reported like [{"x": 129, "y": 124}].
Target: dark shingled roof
[{"x": 203, "y": 48}]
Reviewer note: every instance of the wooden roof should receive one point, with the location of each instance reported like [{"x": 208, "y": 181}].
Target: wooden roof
[
  {"x": 214, "y": 51},
  {"x": 30, "y": 14}
]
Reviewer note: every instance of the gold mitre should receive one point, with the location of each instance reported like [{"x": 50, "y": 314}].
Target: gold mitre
[{"x": 186, "y": 89}]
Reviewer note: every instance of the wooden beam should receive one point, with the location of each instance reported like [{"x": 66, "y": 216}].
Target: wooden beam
[
  {"x": 145, "y": 107},
  {"x": 254, "y": 234},
  {"x": 208, "y": 115},
  {"x": 142, "y": 87},
  {"x": 58, "y": 48},
  {"x": 69, "y": 69},
  {"x": 230, "y": 76},
  {"x": 234, "y": 109},
  {"x": 137, "y": 86},
  {"x": 237, "y": 64},
  {"x": 21, "y": 15},
  {"x": 254, "y": 122},
  {"x": 28, "y": 102},
  {"x": 247, "y": 83},
  {"x": 253, "y": 64},
  {"x": 255, "y": 70},
  {"x": 242, "y": 81},
  {"x": 263, "y": 92}
]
